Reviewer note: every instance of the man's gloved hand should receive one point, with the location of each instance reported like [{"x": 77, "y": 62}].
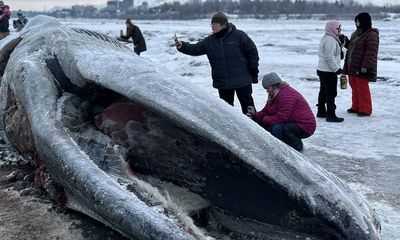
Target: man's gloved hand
[
  {"x": 254, "y": 74},
  {"x": 178, "y": 44},
  {"x": 342, "y": 38}
]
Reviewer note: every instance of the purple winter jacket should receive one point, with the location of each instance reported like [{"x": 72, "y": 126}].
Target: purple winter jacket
[{"x": 288, "y": 106}]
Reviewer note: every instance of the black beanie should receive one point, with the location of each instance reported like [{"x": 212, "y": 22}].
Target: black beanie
[
  {"x": 220, "y": 18},
  {"x": 365, "y": 20}
]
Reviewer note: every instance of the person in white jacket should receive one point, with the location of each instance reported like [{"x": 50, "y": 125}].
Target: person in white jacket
[{"x": 329, "y": 54}]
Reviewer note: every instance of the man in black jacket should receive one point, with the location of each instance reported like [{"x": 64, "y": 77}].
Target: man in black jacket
[{"x": 233, "y": 58}]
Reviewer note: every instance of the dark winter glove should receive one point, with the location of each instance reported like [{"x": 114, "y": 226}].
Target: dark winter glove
[
  {"x": 340, "y": 71},
  {"x": 254, "y": 74},
  {"x": 346, "y": 42},
  {"x": 342, "y": 38}
]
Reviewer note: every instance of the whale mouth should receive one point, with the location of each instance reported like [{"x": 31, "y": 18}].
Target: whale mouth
[
  {"x": 117, "y": 150},
  {"x": 175, "y": 171},
  {"x": 194, "y": 181},
  {"x": 179, "y": 173}
]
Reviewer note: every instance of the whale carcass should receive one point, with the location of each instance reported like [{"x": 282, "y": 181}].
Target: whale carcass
[{"x": 154, "y": 157}]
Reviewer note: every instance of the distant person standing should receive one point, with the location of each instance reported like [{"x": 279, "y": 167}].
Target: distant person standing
[
  {"x": 133, "y": 31},
  {"x": 361, "y": 64},
  {"x": 4, "y": 20},
  {"x": 20, "y": 22},
  {"x": 233, "y": 57},
  {"x": 329, "y": 55}
]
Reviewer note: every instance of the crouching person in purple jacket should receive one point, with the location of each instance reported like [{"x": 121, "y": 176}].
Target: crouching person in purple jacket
[{"x": 286, "y": 115}]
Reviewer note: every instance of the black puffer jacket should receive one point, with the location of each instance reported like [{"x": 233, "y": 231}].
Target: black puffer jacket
[{"x": 233, "y": 58}]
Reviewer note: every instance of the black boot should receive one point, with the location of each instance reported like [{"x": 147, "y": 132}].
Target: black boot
[
  {"x": 321, "y": 113},
  {"x": 331, "y": 109},
  {"x": 334, "y": 119},
  {"x": 331, "y": 116}
]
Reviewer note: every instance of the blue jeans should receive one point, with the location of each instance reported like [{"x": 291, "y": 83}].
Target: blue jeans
[{"x": 289, "y": 133}]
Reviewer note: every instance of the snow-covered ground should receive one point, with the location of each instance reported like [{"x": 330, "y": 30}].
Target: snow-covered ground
[{"x": 364, "y": 152}]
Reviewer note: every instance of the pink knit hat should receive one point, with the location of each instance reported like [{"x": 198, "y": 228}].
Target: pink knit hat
[{"x": 332, "y": 27}]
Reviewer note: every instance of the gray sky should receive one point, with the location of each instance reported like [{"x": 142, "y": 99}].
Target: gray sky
[{"x": 40, "y": 5}]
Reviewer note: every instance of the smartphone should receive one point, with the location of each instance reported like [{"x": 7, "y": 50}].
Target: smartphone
[
  {"x": 251, "y": 109},
  {"x": 175, "y": 38}
]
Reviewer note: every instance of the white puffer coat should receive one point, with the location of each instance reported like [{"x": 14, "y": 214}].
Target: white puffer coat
[
  {"x": 329, "y": 54},
  {"x": 330, "y": 48}
]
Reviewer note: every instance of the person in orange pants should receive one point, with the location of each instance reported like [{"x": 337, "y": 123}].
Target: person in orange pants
[
  {"x": 361, "y": 63},
  {"x": 360, "y": 96}
]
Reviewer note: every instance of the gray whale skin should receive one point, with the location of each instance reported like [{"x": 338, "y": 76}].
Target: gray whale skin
[{"x": 140, "y": 149}]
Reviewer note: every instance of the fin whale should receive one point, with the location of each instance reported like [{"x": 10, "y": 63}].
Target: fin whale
[{"x": 148, "y": 154}]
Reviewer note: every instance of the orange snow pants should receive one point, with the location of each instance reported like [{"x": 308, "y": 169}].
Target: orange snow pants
[{"x": 360, "y": 95}]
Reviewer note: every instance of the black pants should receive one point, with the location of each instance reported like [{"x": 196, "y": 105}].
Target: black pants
[
  {"x": 243, "y": 94},
  {"x": 327, "y": 92}
]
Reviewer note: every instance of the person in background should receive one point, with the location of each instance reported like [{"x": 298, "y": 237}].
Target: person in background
[
  {"x": 139, "y": 44},
  {"x": 361, "y": 64},
  {"x": 20, "y": 22},
  {"x": 329, "y": 54},
  {"x": 233, "y": 57},
  {"x": 4, "y": 20},
  {"x": 286, "y": 114}
]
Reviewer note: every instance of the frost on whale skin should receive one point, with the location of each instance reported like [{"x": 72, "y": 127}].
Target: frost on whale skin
[{"x": 141, "y": 150}]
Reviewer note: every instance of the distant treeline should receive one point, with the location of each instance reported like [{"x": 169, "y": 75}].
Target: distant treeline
[
  {"x": 267, "y": 9},
  {"x": 263, "y": 9}
]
